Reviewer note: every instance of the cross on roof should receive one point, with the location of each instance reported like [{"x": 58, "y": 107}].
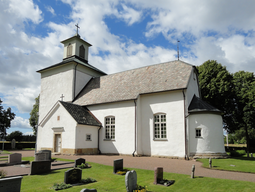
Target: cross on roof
[
  {"x": 62, "y": 96},
  {"x": 77, "y": 27}
]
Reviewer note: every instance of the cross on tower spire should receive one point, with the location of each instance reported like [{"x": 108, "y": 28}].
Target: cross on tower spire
[
  {"x": 77, "y": 28},
  {"x": 62, "y": 96}
]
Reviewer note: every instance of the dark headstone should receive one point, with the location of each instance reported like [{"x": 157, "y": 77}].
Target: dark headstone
[
  {"x": 88, "y": 190},
  {"x": 38, "y": 167},
  {"x": 11, "y": 184},
  {"x": 79, "y": 162},
  {"x": 46, "y": 151},
  {"x": 13, "y": 143},
  {"x": 14, "y": 158},
  {"x": 117, "y": 165},
  {"x": 192, "y": 171},
  {"x": 158, "y": 175},
  {"x": 73, "y": 176},
  {"x": 131, "y": 180},
  {"x": 210, "y": 162}
]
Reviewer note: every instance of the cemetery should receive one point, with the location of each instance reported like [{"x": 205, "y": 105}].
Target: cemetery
[{"x": 101, "y": 177}]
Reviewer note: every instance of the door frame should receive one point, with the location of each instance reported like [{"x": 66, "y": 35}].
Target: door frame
[{"x": 57, "y": 131}]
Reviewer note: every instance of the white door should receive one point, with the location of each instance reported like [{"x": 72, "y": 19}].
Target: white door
[{"x": 57, "y": 143}]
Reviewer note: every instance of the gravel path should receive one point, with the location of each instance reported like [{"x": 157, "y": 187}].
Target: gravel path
[{"x": 149, "y": 163}]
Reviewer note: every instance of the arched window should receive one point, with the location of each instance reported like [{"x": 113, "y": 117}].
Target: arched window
[
  {"x": 69, "y": 50},
  {"x": 110, "y": 127},
  {"x": 160, "y": 126},
  {"x": 82, "y": 52}
]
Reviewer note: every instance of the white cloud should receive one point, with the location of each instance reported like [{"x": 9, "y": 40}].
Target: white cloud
[
  {"x": 20, "y": 123},
  {"x": 129, "y": 15},
  {"x": 50, "y": 9}
]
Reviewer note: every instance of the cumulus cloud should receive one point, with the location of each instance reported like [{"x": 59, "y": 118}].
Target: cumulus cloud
[
  {"x": 20, "y": 123},
  {"x": 50, "y": 9}
]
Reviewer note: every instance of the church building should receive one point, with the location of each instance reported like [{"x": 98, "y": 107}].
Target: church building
[{"x": 149, "y": 111}]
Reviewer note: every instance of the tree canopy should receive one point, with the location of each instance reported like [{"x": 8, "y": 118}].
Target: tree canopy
[
  {"x": 33, "y": 120},
  {"x": 17, "y": 135},
  {"x": 6, "y": 116}
]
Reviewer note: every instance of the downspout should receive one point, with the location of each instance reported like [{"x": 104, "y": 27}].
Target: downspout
[
  {"x": 74, "y": 81},
  {"x": 135, "y": 128},
  {"x": 99, "y": 152},
  {"x": 185, "y": 126}
]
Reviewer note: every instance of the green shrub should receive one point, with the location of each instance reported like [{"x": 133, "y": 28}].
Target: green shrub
[
  {"x": 19, "y": 146},
  {"x": 237, "y": 153},
  {"x": 60, "y": 186},
  {"x": 88, "y": 180}
]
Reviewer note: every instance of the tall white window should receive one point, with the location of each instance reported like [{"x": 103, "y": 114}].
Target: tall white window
[
  {"x": 160, "y": 126},
  {"x": 69, "y": 50},
  {"x": 110, "y": 127}
]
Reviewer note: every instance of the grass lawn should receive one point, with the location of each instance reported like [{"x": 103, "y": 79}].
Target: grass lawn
[
  {"x": 242, "y": 164},
  {"x": 107, "y": 181}
]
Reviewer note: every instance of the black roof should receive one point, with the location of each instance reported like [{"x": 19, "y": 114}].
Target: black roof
[
  {"x": 81, "y": 114},
  {"x": 75, "y": 59},
  {"x": 198, "y": 105}
]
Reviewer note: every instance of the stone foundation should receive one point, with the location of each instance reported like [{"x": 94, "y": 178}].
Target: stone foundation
[{"x": 208, "y": 155}]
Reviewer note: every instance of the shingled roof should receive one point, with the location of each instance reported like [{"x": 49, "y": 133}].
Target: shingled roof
[
  {"x": 198, "y": 105},
  {"x": 129, "y": 84},
  {"x": 80, "y": 114}
]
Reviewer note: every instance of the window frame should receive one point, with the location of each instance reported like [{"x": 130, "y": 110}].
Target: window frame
[
  {"x": 160, "y": 127},
  {"x": 200, "y": 131},
  {"x": 69, "y": 51},
  {"x": 82, "y": 51},
  {"x": 110, "y": 128},
  {"x": 88, "y": 139}
]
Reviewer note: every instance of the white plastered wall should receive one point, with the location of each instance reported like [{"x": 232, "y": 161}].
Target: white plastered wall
[
  {"x": 212, "y": 133},
  {"x": 46, "y": 129},
  {"x": 124, "y": 113},
  {"x": 81, "y": 132},
  {"x": 171, "y": 103}
]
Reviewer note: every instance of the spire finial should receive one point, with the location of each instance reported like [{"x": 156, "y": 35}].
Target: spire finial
[
  {"x": 77, "y": 28},
  {"x": 178, "y": 48}
]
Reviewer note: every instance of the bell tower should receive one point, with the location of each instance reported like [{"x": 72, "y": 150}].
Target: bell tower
[{"x": 75, "y": 46}]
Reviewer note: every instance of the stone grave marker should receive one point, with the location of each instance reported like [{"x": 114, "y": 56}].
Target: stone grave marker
[
  {"x": 117, "y": 165},
  {"x": 11, "y": 184},
  {"x": 42, "y": 156},
  {"x": 13, "y": 143},
  {"x": 88, "y": 190},
  {"x": 48, "y": 152},
  {"x": 73, "y": 176},
  {"x": 79, "y": 162},
  {"x": 38, "y": 167},
  {"x": 158, "y": 175},
  {"x": 131, "y": 180},
  {"x": 192, "y": 171},
  {"x": 14, "y": 158}
]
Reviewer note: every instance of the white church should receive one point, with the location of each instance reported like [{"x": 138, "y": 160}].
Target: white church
[{"x": 149, "y": 111}]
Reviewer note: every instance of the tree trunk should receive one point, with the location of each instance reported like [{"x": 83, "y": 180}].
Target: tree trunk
[{"x": 247, "y": 141}]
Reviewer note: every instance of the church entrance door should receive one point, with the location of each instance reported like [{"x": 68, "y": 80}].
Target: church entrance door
[{"x": 58, "y": 143}]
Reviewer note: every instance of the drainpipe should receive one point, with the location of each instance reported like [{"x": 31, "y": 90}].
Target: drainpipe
[
  {"x": 185, "y": 126},
  {"x": 98, "y": 140},
  {"x": 135, "y": 128},
  {"x": 74, "y": 81}
]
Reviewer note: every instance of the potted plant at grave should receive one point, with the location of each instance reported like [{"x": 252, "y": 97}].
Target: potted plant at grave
[
  {"x": 140, "y": 188},
  {"x": 122, "y": 172},
  {"x": 3, "y": 173},
  {"x": 84, "y": 166},
  {"x": 166, "y": 182}
]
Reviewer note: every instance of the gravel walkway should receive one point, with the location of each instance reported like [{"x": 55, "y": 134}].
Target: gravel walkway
[{"x": 149, "y": 163}]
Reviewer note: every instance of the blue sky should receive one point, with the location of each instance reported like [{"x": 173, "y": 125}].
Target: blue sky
[{"x": 124, "y": 34}]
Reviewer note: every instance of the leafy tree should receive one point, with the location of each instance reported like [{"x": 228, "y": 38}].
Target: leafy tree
[
  {"x": 217, "y": 89},
  {"x": 6, "y": 116},
  {"x": 244, "y": 113},
  {"x": 33, "y": 120},
  {"x": 17, "y": 135}
]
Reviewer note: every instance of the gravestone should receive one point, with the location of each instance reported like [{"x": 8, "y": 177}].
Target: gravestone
[
  {"x": 48, "y": 152},
  {"x": 14, "y": 158},
  {"x": 117, "y": 165},
  {"x": 210, "y": 162},
  {"x": 131, "y": 180},
  {"x": 11, "y": 184},
  {"x": 88, "y": 190},
  {"x": 13, "y": 143},
  {"x": 79, "y": 162},
  {"x": 73, "y": 176},
  {"x": 158, "y": 175},
  {"x": 192, "y": 171},
  {"x": 38, "y": 167}
]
